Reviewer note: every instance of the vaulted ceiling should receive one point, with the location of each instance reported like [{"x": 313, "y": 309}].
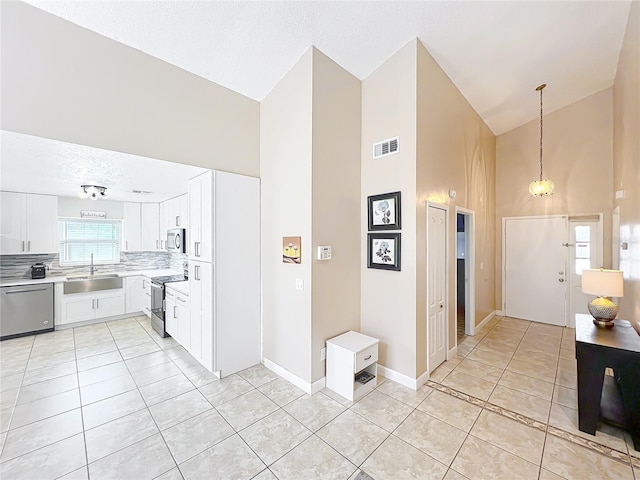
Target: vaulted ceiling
[{"x": 495, "y": 52}]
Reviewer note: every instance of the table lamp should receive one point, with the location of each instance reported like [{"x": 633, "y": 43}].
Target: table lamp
[{"x": 604, "y": 284}]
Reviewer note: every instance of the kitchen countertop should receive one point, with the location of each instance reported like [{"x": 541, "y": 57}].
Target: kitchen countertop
[
  {"x": 180, "y": 287},
  {"x": 9, "y": 282}
]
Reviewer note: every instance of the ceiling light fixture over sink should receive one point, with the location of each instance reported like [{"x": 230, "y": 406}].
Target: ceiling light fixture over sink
[{"x": 93, "y": 191}]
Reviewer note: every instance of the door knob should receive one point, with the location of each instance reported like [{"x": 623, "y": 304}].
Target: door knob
[{"x": 561, "y": 280}]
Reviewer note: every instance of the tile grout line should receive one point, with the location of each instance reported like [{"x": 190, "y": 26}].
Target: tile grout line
[{"x": 572, "y": 437}]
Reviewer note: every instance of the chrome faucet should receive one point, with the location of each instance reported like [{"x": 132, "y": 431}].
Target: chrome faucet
[{"x": 92, "y": 269}]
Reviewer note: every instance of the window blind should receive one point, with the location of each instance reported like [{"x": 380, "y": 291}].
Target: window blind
[{"x": 81, "y": 237}]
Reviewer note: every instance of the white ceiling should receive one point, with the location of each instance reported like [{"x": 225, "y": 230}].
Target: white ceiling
[
  {"x": 495, "y": 52},
  {"x": 39, "y": 165}
]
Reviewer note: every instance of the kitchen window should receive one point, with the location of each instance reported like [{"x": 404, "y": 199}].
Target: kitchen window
[{"x": 80, "y": 237}]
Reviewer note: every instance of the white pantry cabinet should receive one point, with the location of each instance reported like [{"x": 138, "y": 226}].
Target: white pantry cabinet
[
  {"x": 131, "y": 227},
  {"x": 201, "y": 213},
  {"x": 28, "y": 223},
  {"x": 224, "y": 271}
]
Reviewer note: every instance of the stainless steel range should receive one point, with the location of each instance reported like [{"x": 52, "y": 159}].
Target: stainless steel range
[{"x": 158, "y": 303}]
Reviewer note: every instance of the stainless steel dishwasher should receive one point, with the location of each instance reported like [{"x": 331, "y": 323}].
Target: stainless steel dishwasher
[{"x": 26, "y": 309}]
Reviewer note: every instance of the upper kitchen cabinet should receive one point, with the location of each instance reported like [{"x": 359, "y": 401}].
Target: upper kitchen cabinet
[
  {"x": 28, "y": 223},
  {"x": 131, "y": 227},
  {"x": 201, "y": 211},
  {"x": 176, "y": 212},
  {"x": 150, "y": 221}
]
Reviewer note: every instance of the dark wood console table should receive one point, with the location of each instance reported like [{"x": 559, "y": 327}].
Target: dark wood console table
[{"x": 596, "y": 349}]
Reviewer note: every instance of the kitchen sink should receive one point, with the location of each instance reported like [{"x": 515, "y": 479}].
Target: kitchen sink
[
  {"x": 84, "y": 276},
  {"x": 92, "y": 283}
]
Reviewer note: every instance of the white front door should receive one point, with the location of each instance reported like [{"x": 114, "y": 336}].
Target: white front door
[
  {"x": 436, "y": 287},
  {"x": 585, "y": 252},
  {"x": 535, "y": 264}
]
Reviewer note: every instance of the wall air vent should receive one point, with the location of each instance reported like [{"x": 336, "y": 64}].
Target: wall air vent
[{"x": 386, "y": 147}]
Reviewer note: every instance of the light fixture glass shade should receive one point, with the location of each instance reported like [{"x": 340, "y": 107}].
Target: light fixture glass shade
[
  {"x": 602, "y": 282},
  {"x": 540, "y": 188}
]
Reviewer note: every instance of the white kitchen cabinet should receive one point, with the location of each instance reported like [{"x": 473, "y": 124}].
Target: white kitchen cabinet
[
  {"x": 201, "y": 306},
  {"x": 150, "y": 226},
  {"x": 351, "y": 358},
  {"x": 201, "y": 212},
  {"x": 181, "y": 211},
  {"x": 177, "y": 212},
  {"x": 78, "y": 307},
  {"x": 224, "y": 224},
  {"x": 134, "y": 294},
  {"x": 146, "y": 284},
  {"x": 177, "y": 317},
  {"x": 28, "y": 223},
  {"x": 131, "y": 227},
  {"x": 170, "y": 314},
  {"x": 162, "y": 208}
]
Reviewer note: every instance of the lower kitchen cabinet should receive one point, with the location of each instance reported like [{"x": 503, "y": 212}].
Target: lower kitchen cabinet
[
  {"x": 178, "y": 317},
  {"x": 135, "y": 289},
  {"x": 79, "y": 307},
  {"x": 201, "y": 307}
]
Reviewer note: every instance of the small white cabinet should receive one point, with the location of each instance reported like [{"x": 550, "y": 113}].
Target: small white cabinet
[
  {"x": 352, "y": 358},
  {"x": 28, "y": 223},
  {"x": 135, "y": 294}
]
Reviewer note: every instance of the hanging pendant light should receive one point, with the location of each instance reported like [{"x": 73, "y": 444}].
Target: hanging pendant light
[{"x": 541, "y": 187}]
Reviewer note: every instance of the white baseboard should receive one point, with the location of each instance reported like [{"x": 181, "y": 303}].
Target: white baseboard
[
  {"x": 84, "y": 323},
  {"x": 452, "y": 353},
  {"x": 499, "y": 313},
  {"x": 307, "y": 387},
  {"x": 485, "y": 320},
  {"x": 403, "y": 379}
]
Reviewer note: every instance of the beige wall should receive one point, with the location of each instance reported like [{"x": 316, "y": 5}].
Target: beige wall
[
  {"x": 443, "y": 145},
  {"x": 335, "y": 204},
  {"x": 388, "y": 310},
  {"x": 310, "y": 167},
  {"x": 286, "y": 169},
  {"x": 578, "y": 154},
  {"x": 67, "y": 83},
  {"x": 455, "y": 150},
  {"x": 626, "y": 161}
]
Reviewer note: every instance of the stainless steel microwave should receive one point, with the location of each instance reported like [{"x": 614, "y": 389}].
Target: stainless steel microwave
[{"x": 177, "y": 240}]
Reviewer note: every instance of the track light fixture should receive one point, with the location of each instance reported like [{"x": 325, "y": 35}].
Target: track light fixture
[{"x": 93, "y": 191}]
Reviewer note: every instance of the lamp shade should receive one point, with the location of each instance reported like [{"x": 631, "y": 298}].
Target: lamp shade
[{"x": 603, "y": 283}]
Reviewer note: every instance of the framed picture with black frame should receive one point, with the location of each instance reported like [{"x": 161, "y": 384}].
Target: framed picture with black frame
[
  {"x": 384, "y": 211},
  {"x": 383, "y": 251}
]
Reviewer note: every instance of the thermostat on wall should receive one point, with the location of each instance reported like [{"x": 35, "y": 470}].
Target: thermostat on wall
[{"x": 324, "y": 252}]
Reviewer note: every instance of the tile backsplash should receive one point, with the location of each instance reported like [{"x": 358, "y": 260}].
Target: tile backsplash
[{"x": 19, "y": 266}]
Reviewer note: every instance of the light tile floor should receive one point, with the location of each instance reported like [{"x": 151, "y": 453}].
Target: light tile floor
[{"x": 117, "y": 401}]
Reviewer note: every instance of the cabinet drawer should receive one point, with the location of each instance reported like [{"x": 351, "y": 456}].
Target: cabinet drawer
[{"x": 366, "y": 357}]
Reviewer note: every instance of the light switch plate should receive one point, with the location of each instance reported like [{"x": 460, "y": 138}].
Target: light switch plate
[{"x": 299, "y": 284}]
